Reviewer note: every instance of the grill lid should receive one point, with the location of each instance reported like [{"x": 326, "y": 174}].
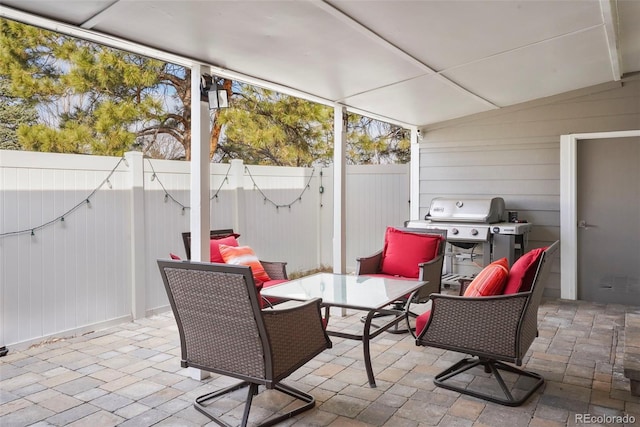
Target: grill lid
[{"x": 487, "y": 210}]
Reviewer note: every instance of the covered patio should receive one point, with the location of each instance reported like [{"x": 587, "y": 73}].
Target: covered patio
[
  {"x": 130, "y": 375},
  {"x": 450, "y": 73}
]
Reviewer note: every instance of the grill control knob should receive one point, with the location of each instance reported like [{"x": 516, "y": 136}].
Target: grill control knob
[
  {"x": 474, "y": 232},
  {"x": 454, "y": 231},
  {"x": 496, "y": 230}
]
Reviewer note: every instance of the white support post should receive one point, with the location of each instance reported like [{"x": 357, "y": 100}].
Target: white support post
[
  {"x": 339, "y": 186},
  {"x": 414, "y": 175},
  {"x": 135, "y": 160},
  {"x": 200, "y": 170},
  {"x": 200, "y": 180}
]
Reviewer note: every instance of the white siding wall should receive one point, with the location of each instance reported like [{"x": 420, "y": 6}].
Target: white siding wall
[
  {"x": 77, "y": 275},
  {"x": 514, "y": 153}
]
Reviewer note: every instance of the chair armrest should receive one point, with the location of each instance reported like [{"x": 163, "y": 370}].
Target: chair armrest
[
  {"x": 296, "y": 335},
  {"x": 370, "y": 264},
  {"x": 275, "y": 270},
  {"x": 475, "y": 325},
  {"x": 431, "y": 271},
  {"x": 464, "y": 284}
]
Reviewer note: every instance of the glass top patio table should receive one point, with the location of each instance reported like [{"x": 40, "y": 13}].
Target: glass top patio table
[
  {"x": 348, "y": 291},
  {"x": 367, "y": 293}
]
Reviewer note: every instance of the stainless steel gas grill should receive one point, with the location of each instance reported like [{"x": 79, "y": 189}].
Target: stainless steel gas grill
[{"x": 471, "y": 222}]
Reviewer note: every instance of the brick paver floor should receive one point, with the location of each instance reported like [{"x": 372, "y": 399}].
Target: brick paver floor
[{"x": 130, "y": 375}]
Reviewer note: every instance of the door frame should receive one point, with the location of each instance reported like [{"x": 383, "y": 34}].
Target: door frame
[{"x": 569, "y": 207}]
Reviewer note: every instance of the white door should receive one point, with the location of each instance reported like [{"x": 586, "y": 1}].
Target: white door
[{"x": 608, "y": 210}]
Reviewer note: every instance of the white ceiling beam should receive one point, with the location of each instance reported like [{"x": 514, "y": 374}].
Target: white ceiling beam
[
  {"x": 92, "y": 36},
  {"x": 95, "y": 19},
  {"x": 369, "y": 33},
  {"x": 378, "y": 117},
  {"x": 609, "y": 10},
  {"x": 356, "y": 25}
]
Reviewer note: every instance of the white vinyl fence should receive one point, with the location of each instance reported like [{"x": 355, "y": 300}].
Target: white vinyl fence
[{"x": 78, "y": 246}]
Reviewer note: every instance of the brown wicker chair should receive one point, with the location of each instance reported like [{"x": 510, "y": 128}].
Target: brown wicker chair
[
  {"x": 276, "y": 270},
  {"x": 430, "y": 272},
  {"x": 223, "y": 330},
  {"x": 493, "y": 330}
]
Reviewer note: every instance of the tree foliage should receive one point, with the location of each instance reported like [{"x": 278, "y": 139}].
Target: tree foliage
[
  {"x": 93, "y": 99},
  {"x": 98, "y": 100},
  {"x": 265, "y": 127},
  {"x": 370, "y": 141},
  {"x": 14, "y": 113}
]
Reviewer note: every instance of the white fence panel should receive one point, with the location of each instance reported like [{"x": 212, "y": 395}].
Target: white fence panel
[
  {"x": 280, "y": 215},
  {"x": 166, "y": 220},
  {"x": 377, "y": 196},
  {"x": 78, "y": 274},
  {"x": 70, "y": 274}
]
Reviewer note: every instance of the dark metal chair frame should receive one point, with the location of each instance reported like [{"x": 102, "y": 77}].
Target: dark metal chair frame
[
  {"x": 223, "y": 330},
  {"x": 493, "y": 330},
  {"x": 430, "y": 272},
  {"x": 276, "y": 270}
]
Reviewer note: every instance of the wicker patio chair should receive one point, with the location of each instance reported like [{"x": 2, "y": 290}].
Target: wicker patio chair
[
  {"x": 223, "y": 330},
  {"x": 213, "y": 234},
  {"x": 429, "y": 271},
  {"x": 276, "y": 270},
  {"x": 492, "y": 330}
]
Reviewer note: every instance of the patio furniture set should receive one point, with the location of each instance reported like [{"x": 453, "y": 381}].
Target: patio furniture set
[{"x": 234, "y": 322}]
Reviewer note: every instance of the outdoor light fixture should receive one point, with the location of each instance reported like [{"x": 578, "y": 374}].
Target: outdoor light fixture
[{"x": 215, "y": 94}]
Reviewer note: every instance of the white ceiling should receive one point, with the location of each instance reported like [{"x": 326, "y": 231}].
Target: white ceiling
[{"x": 411, "y": 62}]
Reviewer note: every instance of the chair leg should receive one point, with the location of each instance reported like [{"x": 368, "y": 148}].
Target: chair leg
[
  {"x": 252, "y": 391},
  {"x": 494, "y": 367}
]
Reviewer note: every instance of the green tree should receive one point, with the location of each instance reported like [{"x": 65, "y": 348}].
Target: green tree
[
  {"x": 265, "y": 127},
  {"x": 14, "y": 112},
  {"x": 94, "y": 99},
  {"x": 99, "y": 100},
  {"x": 371, "y": 141}
]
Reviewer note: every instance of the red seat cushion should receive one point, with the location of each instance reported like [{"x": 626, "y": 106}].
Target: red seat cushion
[
  {"x": 403, "y": 251},
  {"x": 386, "y": 276},
  {"x": 523, "y": 272},
  {"x": 214, "y": 247},
  {"x": 490, "y": 281},
  {"x": 421, "y": 321}
]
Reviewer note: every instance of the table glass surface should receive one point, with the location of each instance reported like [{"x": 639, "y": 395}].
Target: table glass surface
[{"x": 349, "y": 291}]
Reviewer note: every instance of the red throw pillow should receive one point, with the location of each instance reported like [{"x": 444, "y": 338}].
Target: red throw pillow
[
  {"x": 523, "y": 272},
  {"x": 403, "y": 251},
  {"x": 174, "y": 256},
  {"x": 490, "y": 281},
  {"x": 244, "y": 255},
  {"x": 214, "y": 247}
]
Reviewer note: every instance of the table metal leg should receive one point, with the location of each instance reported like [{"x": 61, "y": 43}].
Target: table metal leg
[
  {"x": 367, "y": 351},
  {"x": 367, "y": 336}
]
